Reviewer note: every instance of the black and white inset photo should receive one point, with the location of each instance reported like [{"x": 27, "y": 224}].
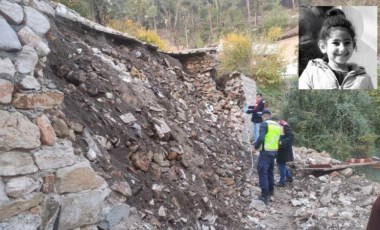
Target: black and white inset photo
[{"x": 338, "y": 47}]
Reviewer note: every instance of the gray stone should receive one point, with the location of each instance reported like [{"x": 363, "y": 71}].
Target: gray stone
[
  {"x": 3, "y": 196},
  {"x": 122, "y": 188},
  {"x": 258, "y": 205},
  {"x": 27, "y": 60},
  {"x": 60, "y": 128},
  {"x": 80, "y": 209},
  {"x": 44, "y": 7},
  {"x": 28, "y": 37},
  {"x": 8, "y": 37},
  {"x": 20, "y": 205},
  {"x": 11, "y": 11},
  {"x": 325, "y": 199},
  {"x": 296, "y": 202},
  {"x": 159, "y": 157},
  {"x": 30, "y": 83},
  {"x": 77, "y": 178},
  {"x": 57, "y": 156},
  {"x": 367, "y": 190},
  {"x": 128, "y": 118},
  {"x": 16, "y": 131},
  {"x": 6, "y": 66},
  {"x": 6, "y": 90},
  {"x": 26, "y": 220},
  {"x": 36, "y": 21},
  {"x": 162, "y": 129},
  {"x": 16, "y": 163},
  {"x": 347, "y": 172},
  {"x": 20, "y": 186},
  {"x": 114, "y": 216},
  {"x": 323, "y": 179},
  {"x": 50, "y": 207}
]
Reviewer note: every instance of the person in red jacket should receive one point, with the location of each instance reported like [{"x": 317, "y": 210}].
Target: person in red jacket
[
  {"x": 374, "y": 218},
  {"x": 256, "y": 119}
]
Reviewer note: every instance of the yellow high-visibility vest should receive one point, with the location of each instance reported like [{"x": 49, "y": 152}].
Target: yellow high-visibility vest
[{"x": 272, "y": 137}]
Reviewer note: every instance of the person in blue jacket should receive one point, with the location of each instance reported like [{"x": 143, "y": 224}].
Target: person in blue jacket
[{"x": 268, "y": 143}]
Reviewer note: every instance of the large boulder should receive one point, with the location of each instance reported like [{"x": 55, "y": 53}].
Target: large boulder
[
  {"x": 16, "y": 163},
  {"x": 20, "y": 186},
  {"x": 77, "y": 178},
  {"x": 8, "y": 37},
  {"x": 57, "y": 156},
  {"x": 44, "y": 100},
  {"x": 80, "y": 209},
  {"x": 44, "y": 7},
  {"x": 20, "y": 205},
  {"x": 16, "y": 131},
  {"x": 36, "y": 21},
  {"x": 11, "y": 11}
]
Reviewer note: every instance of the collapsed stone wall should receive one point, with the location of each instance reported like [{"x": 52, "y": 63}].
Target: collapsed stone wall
[
  {"x": 39, "y": 169},
  {"x": 228, "y": 94},
  {"x": 46, "y": 181}
]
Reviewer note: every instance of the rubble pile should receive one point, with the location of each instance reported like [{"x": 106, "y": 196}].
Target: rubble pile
[{"x": 98, "y": 130}]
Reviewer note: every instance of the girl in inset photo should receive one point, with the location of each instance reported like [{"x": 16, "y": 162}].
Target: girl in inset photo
[{"x": 337, "y": 42}]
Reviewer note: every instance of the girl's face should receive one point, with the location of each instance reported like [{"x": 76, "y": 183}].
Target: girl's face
[{"x": 338, "y": 47}]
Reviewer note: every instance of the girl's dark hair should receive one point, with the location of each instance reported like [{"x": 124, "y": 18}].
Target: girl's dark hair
[{"x": 336, "y": 18}]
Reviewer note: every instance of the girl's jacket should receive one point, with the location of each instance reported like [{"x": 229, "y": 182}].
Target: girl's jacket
[{"x": 318, "y": 75}]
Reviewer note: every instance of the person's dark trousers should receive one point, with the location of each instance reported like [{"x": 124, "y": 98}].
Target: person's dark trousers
[
  {"x": 265, "y": 168},
  {"x": 284, "y": 173}
]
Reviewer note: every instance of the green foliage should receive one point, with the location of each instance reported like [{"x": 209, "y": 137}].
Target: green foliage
[
  {"x": 275, "y": 18},
  {"x": 151, "y": 37},
  {"x": 128, "y": 26},
  {"x": 274, "y": 33},
  {"x": 236, "y": 54},
  {"x": 264, "y": 65},
  {"x": 267, "y": 64},
  {"x": 266, "y": 69},
  {"x": 341, "y": 123}
]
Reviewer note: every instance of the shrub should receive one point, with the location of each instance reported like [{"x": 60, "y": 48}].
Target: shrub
[
  {"x": 151, "y": 37},
  {"x": 130, "y": 27},
  {"x": 125, "y": 25},
  {"x": 274, "y": 33},
  {"x": 333, "y": 121},
  {"x": 236, "y": 54}
]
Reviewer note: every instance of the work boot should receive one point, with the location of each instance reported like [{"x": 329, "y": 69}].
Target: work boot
[
  {"x": 264, "y": 199},
  {"x": 279, "y": 184},
  {"x": 271, "y": 193},
  {"x": 289, "y": 179}
]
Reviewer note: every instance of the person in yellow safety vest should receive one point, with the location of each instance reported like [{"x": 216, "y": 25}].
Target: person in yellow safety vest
[{"x": 268, "y": 141}]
